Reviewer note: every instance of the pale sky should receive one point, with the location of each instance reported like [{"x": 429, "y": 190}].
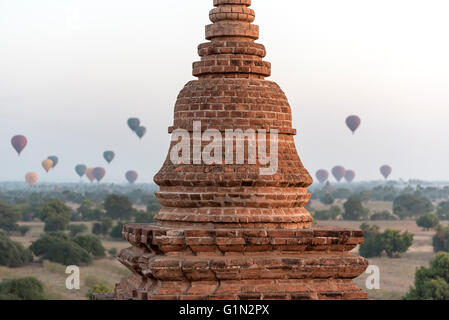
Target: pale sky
[{"x": 72, "y": 72}]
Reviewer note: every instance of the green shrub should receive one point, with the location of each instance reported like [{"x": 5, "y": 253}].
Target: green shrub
[
  {"x": 443, "y": 210},
  {"x": 116, "y": 232},
  {"x": 57, "y": 247},
  {"x": 394, "y": 243},
  {"x": 55, "y": 214},
  {"x": 372, "y": 245},
  {"x": 432, "y": 283},
  {"x": 330, "y": 214},
  {"x": 354, "y": 210},
  {"x": 91, "y": 244},
  {"x": 428, "y": 221},
  {"x": 327, "y": 199},
  {"x": 383, "y": 215},
  {"x": 102, "y": 228},
  {"x": 9, "y": 216},
  {"x": 98, "y": 289},
  {"x": 76, "y": 229},
  {"x": 23, "y": 230},
  {"x": 28, "y": 288},
  {"x": 13, "y": 254},
  {"x": 118, "y": 207},
  {"x": 410, "y": 205},
  {"x": 440, "y": 240},
  {"x": 113, "y": 252},
  {"x": 144, "y": 217}
]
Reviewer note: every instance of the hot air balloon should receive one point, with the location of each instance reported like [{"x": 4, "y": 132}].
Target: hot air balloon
[
  {"x": 353, "y": 123},
  {"x": 81, "y": 170},
  {"x": 133, "y": 123},
  {"x": 109, "y": 156},
  {"x": 90, "y": 174},
  {"x": 386, "y": 170},
  {"x": 322, "y": 175},
  {"x": 349, "y": 176},
  {"x": 47, "y": 164},
  {"x": 55, "y": 160},
  {"x": 99, "y": 173},
  {"x": 338, "y": 172},
  {"x": 140, "y": 131},
  {"x": 131, "y": 176},
  {"x": 31, "y": 178},
  {"x": 19, "y": 143}
]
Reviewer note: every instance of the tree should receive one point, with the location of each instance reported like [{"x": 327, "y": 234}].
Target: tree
[
  {"x": 89, "y": 212},
  {"x": 330, "y": 214},
  {"x": 55, "y": 214},
  {"x": 9, "y": 216},
  {"x": 383, "y": 215},
  {"x": 428, "y": 221},
  {"x": 354, "y": 210},
  {"x": 118, "y": 207},
  {"x": 432, "y": 283},
  {"x": 394, "y": 243},
  {"x": 409, "y": 205},
  {"x": 341, "y": 193},
  {"x": 391, "y": 241},
  {"x": 116, "y": 232},
  {"x": 28, "y": 288},
  {"x": 144, "y": 217},
  {"x": 443, "y": 210},
  {"x": 13, "y": 254},
  {"x": 102, "y": 228},
  {"x": 91, "y": 244},
  {"x": 57, "y": 247},
  {"x": 76, "y": 229},
  {"x": 372, "y": 245},
  {"x": 440, "y": 240}
]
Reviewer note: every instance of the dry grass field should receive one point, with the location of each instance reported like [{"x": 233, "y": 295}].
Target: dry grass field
[
  {"x": 396, "y": 274},
  {"x": 107, "y": 271}
]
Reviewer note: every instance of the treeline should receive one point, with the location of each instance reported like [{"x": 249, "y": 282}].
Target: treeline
[
  {"x": 405, "y": 206},
  {"x": 66, "y": 240}
]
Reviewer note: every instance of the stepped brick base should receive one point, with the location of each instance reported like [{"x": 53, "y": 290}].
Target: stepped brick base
[{"x": 240, "y": 264}]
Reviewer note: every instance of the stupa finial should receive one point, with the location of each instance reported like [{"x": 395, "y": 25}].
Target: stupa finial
[{"x": 232, "y": 52}]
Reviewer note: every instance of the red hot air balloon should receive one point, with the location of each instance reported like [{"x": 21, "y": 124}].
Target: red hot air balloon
[
  {"x": 349, "y": 176},
  {"x": 322, "y": 175},
  {"x": 338, "y": 172},
  {"x": 19, "y": 143},
  {"x": 353, "y": 123},
  {"x": 90, "y": 174},
  {"x": 131, "y": 176},
  {"x": 386, "y": 170},
  {"x": 99, "y": 173}
]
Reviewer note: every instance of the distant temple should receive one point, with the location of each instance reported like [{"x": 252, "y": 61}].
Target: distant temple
[{"x": 226, "y": 231}]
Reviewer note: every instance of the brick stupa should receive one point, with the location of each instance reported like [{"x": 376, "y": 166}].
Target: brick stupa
[{"x": 226, "y": 231}]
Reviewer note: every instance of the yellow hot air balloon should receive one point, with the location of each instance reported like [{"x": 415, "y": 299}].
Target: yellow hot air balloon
[
  {"x": 90, "y": 174},
  {"x": 31, "y": 178},
  {"x": 47, "y": 164}
]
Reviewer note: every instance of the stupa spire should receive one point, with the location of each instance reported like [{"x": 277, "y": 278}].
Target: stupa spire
[
  {"x": 232, "y": 52},
  {"x": 225, "y": 230}
]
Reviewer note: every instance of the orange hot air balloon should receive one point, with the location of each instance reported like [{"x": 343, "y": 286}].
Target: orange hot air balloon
[
  {"x": 31, "y": 178},
  {"x": 90, "y": 174},
  {"x": 47, "y": 164}
]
